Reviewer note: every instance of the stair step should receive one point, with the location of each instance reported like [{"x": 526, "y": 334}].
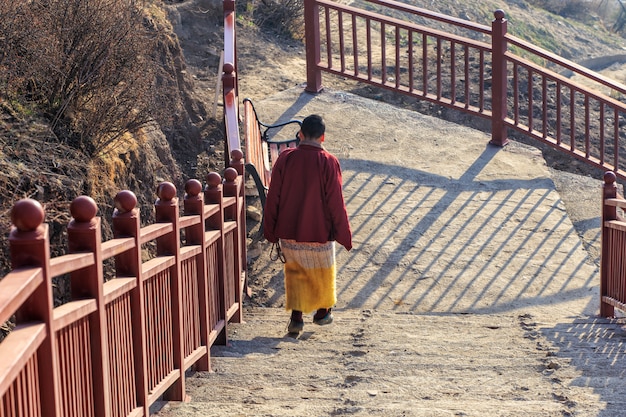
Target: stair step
[{"x": 373, "y": 363}]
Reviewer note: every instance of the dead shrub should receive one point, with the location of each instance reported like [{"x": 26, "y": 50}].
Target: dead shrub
[
  {"x": 283, "y": 17},
  {"x": 90, "y": 66}
]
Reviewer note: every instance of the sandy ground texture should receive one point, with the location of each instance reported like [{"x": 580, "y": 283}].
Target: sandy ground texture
[{"x": 470, "y": 291}]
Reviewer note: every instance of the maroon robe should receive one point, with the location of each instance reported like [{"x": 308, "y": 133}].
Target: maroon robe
[{"x": 305, "y": 199}]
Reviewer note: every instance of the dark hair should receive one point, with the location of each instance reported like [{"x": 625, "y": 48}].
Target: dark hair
[{"x": 313, "y": 127}]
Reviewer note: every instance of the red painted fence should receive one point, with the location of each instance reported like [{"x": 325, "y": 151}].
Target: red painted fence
[
  {"x": 497, "y": 77},
  {"x": 120, "y": 345},
  {"x": 117, "y": 346},
  {"x": 613, "y": 262}
]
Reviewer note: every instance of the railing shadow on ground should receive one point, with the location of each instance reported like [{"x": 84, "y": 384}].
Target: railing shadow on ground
[
  {"x": 595, "y": 349},
  {"x": 429, "y": 243},
  {"x": 463, "y": 281}
]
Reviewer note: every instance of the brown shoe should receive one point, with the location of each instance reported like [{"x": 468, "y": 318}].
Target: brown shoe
[
  {"x": 295, "y": 327},
  {"x": 327, "y": 319}
]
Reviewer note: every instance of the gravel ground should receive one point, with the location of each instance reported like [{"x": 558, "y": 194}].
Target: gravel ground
[{"x": 469, "y": 291}]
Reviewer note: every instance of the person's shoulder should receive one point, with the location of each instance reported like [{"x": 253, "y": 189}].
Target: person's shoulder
[
  {"x": 287, "y": 151},
  {"x": 330, "y": 156}
]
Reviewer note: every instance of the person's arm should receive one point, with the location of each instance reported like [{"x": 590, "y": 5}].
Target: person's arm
[{"x": 336, "y": 205}]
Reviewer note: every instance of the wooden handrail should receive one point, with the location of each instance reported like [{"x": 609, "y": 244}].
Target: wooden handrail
[
  {"x": 564, "y": 63},
  {"x": 16, "y": 287}
]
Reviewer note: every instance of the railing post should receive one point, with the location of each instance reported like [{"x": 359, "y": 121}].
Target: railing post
[
  {"x": 228, "y": 77},
  {"x": 84, "y": 235},
  {"x": 232, "y": 188},
  {"x": 214, "y": 194},
  {"x": 499, "y": 80},
  {"x": 194, "y": 206},
  {"x": 609, "y": 190},
  {"x": 30, "y": 246},
  {"x": 127, "y": 223},
  {"x": 312, "y": 40},
  {"x": 237, "y": 162},
  {"x": 167, "y": 211},
  {"x": 231, "y": 109}
]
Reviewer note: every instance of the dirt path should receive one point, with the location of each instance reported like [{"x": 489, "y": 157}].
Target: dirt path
[
  {"x": 439, "y": 217},
  {"x": 374, "y": 363},
  {"x": 468, "y": 291}
]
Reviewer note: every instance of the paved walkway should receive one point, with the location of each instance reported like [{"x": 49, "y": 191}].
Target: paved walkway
[{"x": 468, "y": 292}]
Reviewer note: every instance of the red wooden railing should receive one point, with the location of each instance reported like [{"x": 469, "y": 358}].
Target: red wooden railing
[
  {"x": 232, "y": 139},
  {"x": 498, "y": 79},
  {"x": 613, "y": 263},
  {"x": 117, "y": 346},
  {"x": 229, "y": 80}
]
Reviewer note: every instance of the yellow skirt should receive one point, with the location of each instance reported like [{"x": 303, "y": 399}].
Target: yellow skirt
[{"x": 309, "y": 275}]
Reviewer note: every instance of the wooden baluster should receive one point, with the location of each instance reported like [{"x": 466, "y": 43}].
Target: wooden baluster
[
  {"x": 214, "y": 194},
  {"x": 233, "y": 213},
  {"x": 84, "y": 235},
  {"x": 238, "y": 163},
  {"x": 167, "y": 211},
  {"x": 127, "y": 223},
  {"x": 194, "y": 205}
]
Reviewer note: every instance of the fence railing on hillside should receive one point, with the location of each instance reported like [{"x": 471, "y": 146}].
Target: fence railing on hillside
[
  {"x": 117, "y": 346},
  {"x": 499, "y": 77}
]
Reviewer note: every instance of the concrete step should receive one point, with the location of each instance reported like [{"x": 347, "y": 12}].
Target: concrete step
[{"x": 375, "y": 363}]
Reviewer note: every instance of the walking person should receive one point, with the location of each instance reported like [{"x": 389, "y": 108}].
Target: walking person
[{"x": 305, "y": 212}]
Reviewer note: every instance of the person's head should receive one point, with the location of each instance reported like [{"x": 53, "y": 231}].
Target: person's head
[{"x": 313, "y": 128}]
